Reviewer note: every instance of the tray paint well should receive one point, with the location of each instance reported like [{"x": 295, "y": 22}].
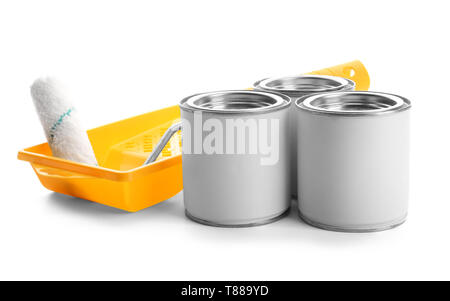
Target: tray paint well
[{"x": 121, "y": 148}]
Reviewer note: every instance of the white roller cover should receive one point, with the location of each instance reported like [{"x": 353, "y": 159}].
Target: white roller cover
[{"x": 65, "y": 135}]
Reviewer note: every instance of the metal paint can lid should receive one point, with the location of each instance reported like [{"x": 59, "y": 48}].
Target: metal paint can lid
[
  {"x": 304, "y": 84},
  {"x": 236, "y": 102},
  {"x": 353, "y": 103}
]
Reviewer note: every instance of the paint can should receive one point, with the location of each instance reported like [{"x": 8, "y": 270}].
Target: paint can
[
  {"x": 299, "y": 86},
  {"x": 235, "y": 157},
  {"x": 353, "y": 160}
]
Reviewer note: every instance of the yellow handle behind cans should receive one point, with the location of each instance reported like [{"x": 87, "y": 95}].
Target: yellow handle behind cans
[{"x": 354, "y": 70}]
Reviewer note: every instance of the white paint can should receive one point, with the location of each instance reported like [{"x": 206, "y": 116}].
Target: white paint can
[
  {"x": 295, "y": 87},
  {"x": 235, "y": 179},
  {"x": 353, "y": 160}
]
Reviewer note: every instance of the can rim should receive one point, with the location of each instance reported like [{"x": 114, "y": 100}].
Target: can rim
[
  {"x": 238, "y": 102},
  {"x": 353, "y": 103},
  {"x": 329, "y": 83}
]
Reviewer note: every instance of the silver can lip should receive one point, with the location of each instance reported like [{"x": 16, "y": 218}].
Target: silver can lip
[
  {"x": 353, "y": 103},
  {"x": 304, "y": 84},
  {"x": 235, "y": 102}
]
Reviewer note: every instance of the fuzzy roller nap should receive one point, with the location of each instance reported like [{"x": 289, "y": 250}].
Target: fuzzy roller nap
[{"x": 65, "y": 135}]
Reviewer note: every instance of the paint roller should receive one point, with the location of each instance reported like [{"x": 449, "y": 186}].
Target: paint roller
[{"x": 59, "y": 118}]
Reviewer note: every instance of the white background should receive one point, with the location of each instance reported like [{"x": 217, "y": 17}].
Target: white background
[{"x": 123, "y": 58}]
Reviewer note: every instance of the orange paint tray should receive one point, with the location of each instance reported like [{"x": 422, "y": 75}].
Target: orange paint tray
[{"x": 121, "y": 148}]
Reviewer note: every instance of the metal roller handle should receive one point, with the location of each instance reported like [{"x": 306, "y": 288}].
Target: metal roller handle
[{"x": 162, "y": 142}]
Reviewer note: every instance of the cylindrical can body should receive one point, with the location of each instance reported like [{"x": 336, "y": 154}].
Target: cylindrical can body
[
  {"x": 353, "y": 160},
  {"x": 295, "y": 87},
  {"x": 242, "y": 177}
]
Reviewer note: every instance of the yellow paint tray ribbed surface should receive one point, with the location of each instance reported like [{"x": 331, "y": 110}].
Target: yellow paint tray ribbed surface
[{"x": 121, "y": 148}]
